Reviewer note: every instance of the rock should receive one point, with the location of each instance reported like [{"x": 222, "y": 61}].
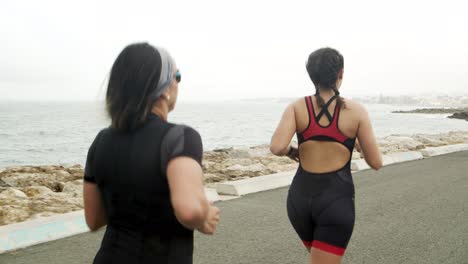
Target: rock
[
  {"x": 17, "y": 179},
  {"x": 32, "y": 191},
  {"x": 460, "y": 115},
  {"x": 259, "y": 151},
  {"x": 275, "y": 167},
  {"x": 57, "y": 186},
  {"x": 76, "y": 171},
  {"x": 74, "y": 187},
  {"x": 41, "y": 215},
  {"x": 238, "y": 153},
  {"x": 253, "y": 168},
  {"x": 3, "y": 184},
  {"x": 398, "y": 143},
  {"x": 55, "y": 203},
  {"x": 12, "y": 214},
  {"x": 210, "y": 178},
  {"x": 243, "y": 162},
  {"x": 12, "y": 193},
  {"x": 432, "y": 111},
  {"x": 47, "y": 168}
]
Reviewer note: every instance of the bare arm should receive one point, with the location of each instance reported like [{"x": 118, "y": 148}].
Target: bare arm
[
  {"x": 95, "y": 214},
  {"x": 188, "y": 198},
  {"x": 368, "y": 143},
  {"x": 284, "y": 132}
]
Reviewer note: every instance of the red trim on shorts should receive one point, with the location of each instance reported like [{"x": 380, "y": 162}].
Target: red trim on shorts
[
  {"x": 328, "y": 248},
  {"x": 307, "y": 243}
]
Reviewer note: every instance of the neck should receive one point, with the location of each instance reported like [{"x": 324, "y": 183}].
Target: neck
[{"x": 161, "y": 109}]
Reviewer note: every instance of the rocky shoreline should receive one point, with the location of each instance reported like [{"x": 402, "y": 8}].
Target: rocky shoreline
[
  {"x": 29, "y": 192},
  {"x": 460, "y": 115},
  {"x": 457, "y": 113}
]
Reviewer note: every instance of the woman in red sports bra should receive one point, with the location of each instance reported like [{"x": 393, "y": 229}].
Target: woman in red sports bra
[{"x": 321, "y": 197}]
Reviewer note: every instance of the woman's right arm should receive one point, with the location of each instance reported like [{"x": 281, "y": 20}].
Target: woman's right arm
[
  {"x": 367, "y": 141},
  {"x": 182, "y": 153},
  {"x": 188, "y": 198}
]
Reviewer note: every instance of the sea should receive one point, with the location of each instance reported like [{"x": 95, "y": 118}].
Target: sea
[{"x": 60, "y": 133}]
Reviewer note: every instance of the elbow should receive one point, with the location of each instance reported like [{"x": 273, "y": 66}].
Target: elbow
[
  {"x": 192, "y": 217},
  {"x": 95, "y": 221},
  {"x": 377, "y": 165},
  {"x": 276, "y": 150},
  {"x": 93, "y": 225}
]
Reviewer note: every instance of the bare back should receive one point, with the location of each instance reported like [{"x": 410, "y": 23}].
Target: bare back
[{"x": 325, "y": 156}]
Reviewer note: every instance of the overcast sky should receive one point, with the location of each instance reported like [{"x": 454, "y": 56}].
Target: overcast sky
[{"x": 63, "y": 50}]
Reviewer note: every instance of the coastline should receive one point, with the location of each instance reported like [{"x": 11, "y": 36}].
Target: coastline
[
  {"x": 456, "y": 113},
  {"x": 32, "y": 192}
]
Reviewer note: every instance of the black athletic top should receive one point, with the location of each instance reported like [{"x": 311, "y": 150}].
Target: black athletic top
[{"x": 130, "y": 171}]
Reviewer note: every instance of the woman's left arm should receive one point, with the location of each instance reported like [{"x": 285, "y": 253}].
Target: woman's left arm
[
  {"x": 281, "y": 139},
  {"x": 95, "y": 213}
]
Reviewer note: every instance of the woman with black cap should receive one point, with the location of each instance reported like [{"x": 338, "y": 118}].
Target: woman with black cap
[
  {"x": 320, "y": 201},
  {"x": 143, "y": 175}
]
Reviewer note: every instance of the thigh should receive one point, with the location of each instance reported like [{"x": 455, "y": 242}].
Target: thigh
[
  {"x": 299, "y": 215},
  {"x": 335, "y": 226}
]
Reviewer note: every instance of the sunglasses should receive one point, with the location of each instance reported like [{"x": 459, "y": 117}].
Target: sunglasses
[{"x": 178, "y": 76}]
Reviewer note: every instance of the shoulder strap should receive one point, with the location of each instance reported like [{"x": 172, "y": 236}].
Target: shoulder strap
[
  {"x": 325, "y": 111},
  {"x": 310, "y": 106}
]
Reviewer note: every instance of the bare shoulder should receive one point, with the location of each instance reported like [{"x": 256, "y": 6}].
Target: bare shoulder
[{"x": 298, "y": 101}]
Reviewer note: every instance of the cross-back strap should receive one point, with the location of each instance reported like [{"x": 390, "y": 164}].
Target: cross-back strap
[{"x": 325, "y": 111}]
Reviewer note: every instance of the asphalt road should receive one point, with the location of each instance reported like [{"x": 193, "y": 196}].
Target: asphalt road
[{"x": 414, "y": 212}]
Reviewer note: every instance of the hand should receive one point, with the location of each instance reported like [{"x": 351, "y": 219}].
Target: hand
[
  {"x": 211, "y": 221},
  {"x": 293, "y": 152}
]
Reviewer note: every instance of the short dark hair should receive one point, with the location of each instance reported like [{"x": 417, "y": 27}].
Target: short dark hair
[
  {"x": 134, "y": 76},
  {"x": 324, "y": 66}
]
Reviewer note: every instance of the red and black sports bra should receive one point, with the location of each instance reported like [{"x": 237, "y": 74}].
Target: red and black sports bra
[{"x": 331, "y": 132}]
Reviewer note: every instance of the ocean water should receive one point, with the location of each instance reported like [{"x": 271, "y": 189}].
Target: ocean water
[{"x": 33, "y": 133}]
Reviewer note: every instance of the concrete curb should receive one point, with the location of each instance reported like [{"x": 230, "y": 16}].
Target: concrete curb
[
  {"x": 256, "y": 184},
  {"x": 212, "y": 195},
  {"x": 32, "y": 232},
  {"x": 41, "y": 230},
  {"x": 360, "y": 164},
  {"x": 436, "y": 151}
]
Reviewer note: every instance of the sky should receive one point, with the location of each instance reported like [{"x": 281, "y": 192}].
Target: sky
[{"x": 63, "y": 50}]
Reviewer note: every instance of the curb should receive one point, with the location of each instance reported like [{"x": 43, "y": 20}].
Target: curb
[
  {"x": 360, "y": 164},
  {"x": 436, "y": 151},
  {"x": 32, "y": 232},
  {"x": 256, "y": 184},
  {"x": 212, "y": 195},
  {"x": 41, "y": 230}
]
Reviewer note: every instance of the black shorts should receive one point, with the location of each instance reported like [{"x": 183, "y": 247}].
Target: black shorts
[{"x": 321, "y": 209}]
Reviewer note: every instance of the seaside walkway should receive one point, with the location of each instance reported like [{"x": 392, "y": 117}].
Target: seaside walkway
[{"x": 414, "y": 212}]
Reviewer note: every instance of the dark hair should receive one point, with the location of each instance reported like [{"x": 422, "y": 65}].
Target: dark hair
[
  {"x": 133, "y": 78},
  {"x": 323, "y": 67}
]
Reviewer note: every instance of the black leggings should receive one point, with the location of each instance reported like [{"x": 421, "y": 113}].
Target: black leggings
[
  {"x": 321, "y": 209},
  {"x": 124, "y": 246}
]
